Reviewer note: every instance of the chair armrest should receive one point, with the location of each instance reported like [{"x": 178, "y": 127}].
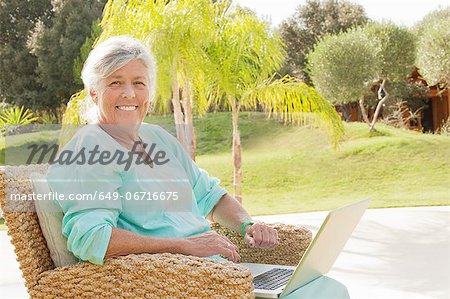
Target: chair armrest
[
  {"x": 294, "y": 240},
  {"x": 147, "y": 276}
]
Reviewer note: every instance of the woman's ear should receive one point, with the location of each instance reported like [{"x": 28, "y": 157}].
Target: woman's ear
[{"x": 93, "y": 95}]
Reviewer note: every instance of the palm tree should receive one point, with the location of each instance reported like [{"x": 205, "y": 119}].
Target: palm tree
[
  {"x": 246, "y": 55},
  {"x": 217, "y": 55},
  {"x": 177, "y": 33}
]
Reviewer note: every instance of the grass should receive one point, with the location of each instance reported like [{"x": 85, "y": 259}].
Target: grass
[
  {"x": 2, "y": 224},
  {"x": 290, "y": 169},
  {"x": 14, "y": 149}
]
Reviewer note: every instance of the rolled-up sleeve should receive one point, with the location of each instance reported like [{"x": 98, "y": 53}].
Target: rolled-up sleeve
[
  {"x": 88, "y": 233},
  {"x": 207, "y": 190},
  {"x": 90, "y": 211}
]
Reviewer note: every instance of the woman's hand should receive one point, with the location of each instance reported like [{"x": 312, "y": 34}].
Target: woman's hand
[
  {"x": 260, "y": 235},
  {"x": 211, "y": 243}
]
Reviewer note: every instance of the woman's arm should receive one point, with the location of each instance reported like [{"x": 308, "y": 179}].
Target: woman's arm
[
  {"x": 123, "y": 242},
  {"x": 214, "y": 203},
  {"x": 231, "y": 214}
]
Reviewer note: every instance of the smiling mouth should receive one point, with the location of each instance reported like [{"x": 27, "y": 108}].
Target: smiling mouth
[{"x": 126, "y": 108}]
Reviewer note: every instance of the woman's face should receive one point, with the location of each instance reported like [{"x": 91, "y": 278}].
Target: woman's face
[{"x": 124, "y": 95}]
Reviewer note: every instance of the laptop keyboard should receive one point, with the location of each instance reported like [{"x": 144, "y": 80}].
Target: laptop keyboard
[{"x": 272, "y": 279}]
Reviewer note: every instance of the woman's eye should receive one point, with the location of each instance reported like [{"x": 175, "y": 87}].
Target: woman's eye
[
  {"x": 139, "y": 83},
  {"x": 114, "y": 83}
]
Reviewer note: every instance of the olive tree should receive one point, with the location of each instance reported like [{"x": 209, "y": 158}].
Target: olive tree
[
  {"x": 396, "y": 56},
  {"x": 309, "y": 23},
  {"x": 344, "y": 68},
  {"x": 433, "y": 52}
]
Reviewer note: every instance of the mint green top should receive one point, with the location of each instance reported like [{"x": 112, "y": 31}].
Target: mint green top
[
  {"x": 323, "y": 287},
  {"x": 125, "y": 198}
]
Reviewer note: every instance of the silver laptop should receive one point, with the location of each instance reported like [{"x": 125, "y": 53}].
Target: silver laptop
[{"x": 273, "y": 281}]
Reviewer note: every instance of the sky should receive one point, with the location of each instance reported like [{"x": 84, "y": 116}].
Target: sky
[{"x": 401, "y": 12}]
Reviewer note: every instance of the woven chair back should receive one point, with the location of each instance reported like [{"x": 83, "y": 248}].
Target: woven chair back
[{"x": 22, "y": 221}]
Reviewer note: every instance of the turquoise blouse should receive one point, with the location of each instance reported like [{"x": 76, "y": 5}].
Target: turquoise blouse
[{"x": 170, "y": 199}]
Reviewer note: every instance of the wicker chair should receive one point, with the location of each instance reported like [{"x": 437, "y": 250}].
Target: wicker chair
[{"x": 133, "y": 276}]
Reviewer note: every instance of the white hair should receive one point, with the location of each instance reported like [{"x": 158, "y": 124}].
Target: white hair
[{"x": 114, "y": 53}]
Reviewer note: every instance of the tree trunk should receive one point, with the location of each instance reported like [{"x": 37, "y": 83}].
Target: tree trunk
[
  {"x": 380, "y": 104},
  {"x": 363, "y": 110},
  {"x": 237, "y": 159},
  {"x": 191, "y": 143},
  {"x": 177, "y": 112}
]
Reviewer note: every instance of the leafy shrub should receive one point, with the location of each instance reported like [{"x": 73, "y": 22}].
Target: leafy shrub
[
  {"x": 48, "y": 119},
  {"x": 13, "y": 118}
]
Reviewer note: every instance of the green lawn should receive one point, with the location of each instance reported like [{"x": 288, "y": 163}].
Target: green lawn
[
  {"x": 16, "y": 152},
  {"x": 290, "y": 169},
  {"x": 2, "y": 224}
]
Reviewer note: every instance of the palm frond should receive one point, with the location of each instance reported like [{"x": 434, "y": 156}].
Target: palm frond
[
  {"x": 78, "y": 108},
  {"x": 295, "y": 102}
]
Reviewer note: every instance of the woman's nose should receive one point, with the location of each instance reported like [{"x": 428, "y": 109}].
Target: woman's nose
[{"x": 128, "y": 91}]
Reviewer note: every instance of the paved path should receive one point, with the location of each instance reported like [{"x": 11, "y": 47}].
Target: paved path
[{"x": 393, "y": 253}]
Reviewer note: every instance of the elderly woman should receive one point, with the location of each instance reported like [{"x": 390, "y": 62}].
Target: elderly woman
[{"x": 162, "y": 201}]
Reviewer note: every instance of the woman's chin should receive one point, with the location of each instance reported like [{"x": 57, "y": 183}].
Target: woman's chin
[
  {"x": 123, "y": 122},
  {"x": 131, "y": 123}
]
